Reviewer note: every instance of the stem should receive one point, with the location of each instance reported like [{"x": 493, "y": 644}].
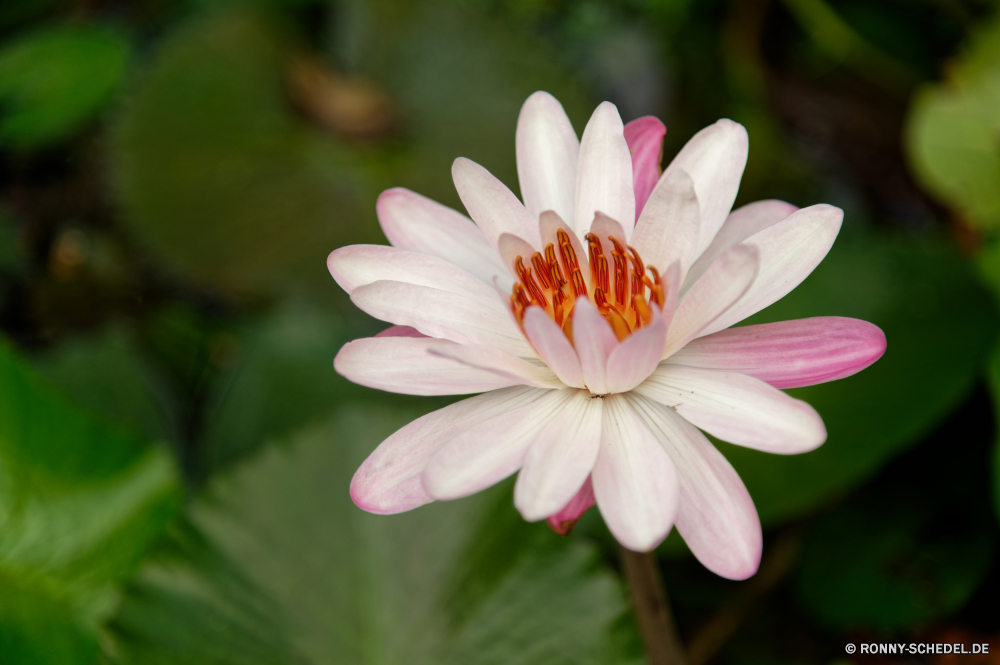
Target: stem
[{"x": 649, "y": 599}]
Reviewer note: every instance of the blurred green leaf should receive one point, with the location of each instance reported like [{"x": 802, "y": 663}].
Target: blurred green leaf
[
  {"x": 993, "y": 374},
  {"x": 54, "y": 80},
  {"x": 80, "y": 502},
  {"x": 460, "y": 582},
  {"x": 939, "y": 324},
  {"x": 952, "y": 131}
]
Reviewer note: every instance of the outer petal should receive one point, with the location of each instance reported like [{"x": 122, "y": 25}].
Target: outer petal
[
  {"x": 442, "y": 314},
  {"x": 552, "y": 346},
  {"x": 737, "y": 408},
  {"x": 564, "y": 521},
  {"x": 416, "y": 223},
  {"x": 715, "y": 515},
  {"x": 789, "y": 354},
  {"x": 604, "y": 174},
  {"x": 594, "y": 340},
  {"x": 495, "y": 361},
  {"x": 403, "y": 365},
  {"x": 635, "y": 483},
  {"x": 491, "y": 205},
  {"x": 389, "y": 480},
  {"x": 559, "y": 461},
  {"x": 789, "y": 251},
  {"x": 668, "y": 228},
  {"x": 547, "y": 156},
  {"x": 645, "y": 141},
  {"x": 715, "y": 158},
  {"x": 726, "y": 281},
  {"x": 632, "y": 361},
  {"x": 491, "y": 450}
]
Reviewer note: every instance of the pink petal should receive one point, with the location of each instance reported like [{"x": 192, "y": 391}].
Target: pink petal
[
  {"x": 389, "y": 480},
  {"x": 552, "y": 346},
  {"x": 737, "y": 408},
  {"x": 549, "y": 225},
  {"x": 510, "y": 247},
  {"x": 726, "y": 281},
  {"x": 441, "y": 314},
  {"x": 491, "y": 205},
  {"x": 547, "y": 156},
  {"x": 489, "y": 359},
  {"x": 789, "y": 354},
  {"x": 416, "y": 223},
  {"x": 789, "y": 251},
  {"x": 594, "y": 340},
  {"x": 604, "y": 174},
  {"x": 645, "y": 141},
  {"x": 493, "y": 449},
  {"x": 715, "y": 516},
  {"x": 668, "y": 228},
  {"x": 605, "y": 228},
  {"x": 400, "y": 331},
  {"x": 404, "y": 365},
  {"x": 715, "y": 158},
  {"x": 635, "y": 483},
  {"x": 637, "y": 356},
  {"x": 564, "y": 521},
  {"x": 560, "y": 459}
]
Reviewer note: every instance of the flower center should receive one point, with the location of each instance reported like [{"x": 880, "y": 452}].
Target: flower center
[{"x": 618, "y": 289}]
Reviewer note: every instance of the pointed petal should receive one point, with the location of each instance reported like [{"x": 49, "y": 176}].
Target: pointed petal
[
  {"x": 635, "y": 483},
  {"x": 645, "y": 141},
  {"x": 404, "y": 365},
  {"x": 715, "y": 158},
  {"x": 715, "y": 515},
  {"x": 416, "y": 223},
  {"x": 668, "y": 228},
  {"x": 493, "y": 449},
  {"x": 549, "y": 225},
  {"x": 564, "y": 521},
  {"x": 789, "y": 251},
  {"x": 552, "y": 346},
  {"x": 632, "y": 361},
  {"x": 547, "y": 156},
  {"x": 442, "y": 314},
  {"x": 604, "y": 228},
  {"x": 594, "y": 340},
  {"x": 401, "y": 331},
  {"x": 560, "y": 459},
  {"x": 789, "y": 354},
  {"x": 489, "y": 359},
  {"x": 389, "y": 480},
  {"x": 604, "y": 174},
  {"x": 737, "y": 408},
  {"x": 726, "y": 281},
  {"x": 510, "y": 247},
  {"x": 490, "y": 204}
]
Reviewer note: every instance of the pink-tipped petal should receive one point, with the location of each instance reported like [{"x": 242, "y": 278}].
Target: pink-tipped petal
[
  {"x": 789, "y": 251},
  {"x": 416, "y": 223},
  {"x": 604, "y": 174},
  {"x": 715, "y": 158},
  {"x": 668, "y": 228},
  {"x": 552, "y": 346},
  {"x": 594, "y": 340},
  {"x": 567, "y": 517},
  {"x": 441, "y": 314},
  {"x": 389, "y": 480},
  {"x": 635, "y": 483},
  {"x": 401, "y": 331},
  {"x": 510, "y": 248},
  {"x": 637, "y": 356},
  {"x": 492, "y": 206},
  {"x": 493, "y": 449},
  {"x": 789, "y": 354},
  {"x": 737, "y": 408},
  {"x": 715, "y": 514},
  {"x": 645, "y": 141},
  {"x": 547, "y": 155},
  {"x": 549, "y": 225},
  {"x": 404, "y": 365},
  {"x": 489, "y": 359},
  {"x": 560, "y": 459},
  {"x": 726, "y": 281}
]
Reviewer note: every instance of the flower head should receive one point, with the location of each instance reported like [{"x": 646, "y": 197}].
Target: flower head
[{"x": 594, "y": 319}]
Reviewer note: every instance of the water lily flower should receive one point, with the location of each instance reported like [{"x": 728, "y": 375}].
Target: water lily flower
[{"x": 595, "y": 320}]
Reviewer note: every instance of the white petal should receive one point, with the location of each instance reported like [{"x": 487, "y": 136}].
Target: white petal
[
  {"x": 604, "y": 174},
  {"x": 668, "y": 228},
  {"x": 547, "y": 155},
  {"x": 491, "y": 205},
  {"x": 594, "y": 340},
  {"x": 635, "y": 358},
  {"x": 552, "y": 346},
  {"x": 510, "y": 247},
  {"x": 605, "y": 228},
  {"x": 549, "y": 225},
  {"x": 502, "y": 364}
]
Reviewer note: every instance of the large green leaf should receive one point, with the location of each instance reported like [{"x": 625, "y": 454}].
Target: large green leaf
[
  {"x": 460, "y": 582},
  {"x": 54, "y": 80},
  {"x": 80, "y": 502},
  {"x": 939, "y": 325}
]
